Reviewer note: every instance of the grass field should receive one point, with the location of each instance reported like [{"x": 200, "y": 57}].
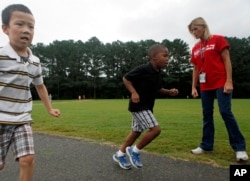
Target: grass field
[{"x": 109, "y": 122}]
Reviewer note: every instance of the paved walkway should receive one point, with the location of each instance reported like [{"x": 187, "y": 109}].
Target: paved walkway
[{"x": 67, "y": 159}]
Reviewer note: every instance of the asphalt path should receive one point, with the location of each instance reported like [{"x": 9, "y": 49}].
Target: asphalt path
[{"x": 68, "y": 159}]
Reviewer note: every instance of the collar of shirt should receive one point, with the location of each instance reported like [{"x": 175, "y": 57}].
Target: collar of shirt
[{"x": 12, "y": 53}]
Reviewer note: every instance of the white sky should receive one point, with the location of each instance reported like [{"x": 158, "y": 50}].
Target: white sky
[{"x": 132, "y": 20}]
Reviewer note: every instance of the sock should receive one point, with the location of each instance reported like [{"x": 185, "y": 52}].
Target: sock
[
  {"x": 120, "y": 153},
  {"x": 135, "y": 149}
]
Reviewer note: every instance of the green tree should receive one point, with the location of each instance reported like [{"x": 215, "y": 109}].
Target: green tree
[
  {"x": 94, "y": 56},
  {"x": 72, "y": 68},
  {"x": 240, "y": 57},
  {"x": 178, "y": 72}
]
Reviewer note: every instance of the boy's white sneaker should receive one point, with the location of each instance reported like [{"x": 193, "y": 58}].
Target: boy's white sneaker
[
  {"x": 197, "y": 151},
  {"x": 241, "y": 156}
]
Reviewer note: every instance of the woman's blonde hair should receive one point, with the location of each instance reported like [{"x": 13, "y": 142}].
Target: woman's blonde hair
[{"x": 200, "y": 22}]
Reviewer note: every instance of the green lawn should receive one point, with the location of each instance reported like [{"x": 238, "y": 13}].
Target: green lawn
[{"x": 109, "y": 122}]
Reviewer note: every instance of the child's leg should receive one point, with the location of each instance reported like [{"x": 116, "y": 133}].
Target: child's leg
[
  {"x": 131, "y": 138},
  {"x": 6, "y": 132},
  {"x": 149, "y": 136},
  {"x": 146, "y": 120},
  {"x": 23, "y": 150},
  {"x": 26, "y": 167}
]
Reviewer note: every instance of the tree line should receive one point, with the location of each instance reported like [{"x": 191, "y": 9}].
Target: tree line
[{"x": 94, "y": 70}]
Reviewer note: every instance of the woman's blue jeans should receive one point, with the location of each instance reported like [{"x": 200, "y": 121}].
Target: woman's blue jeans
[{"x": 236, "y": 139}]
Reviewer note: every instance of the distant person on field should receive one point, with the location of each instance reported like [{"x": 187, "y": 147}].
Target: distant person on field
[
  {"x": 143, "y": 82},
  {"x": 18, "y": 69},
  {"x": 213, "y": 71},
  {"x": 50, "y": 97}
]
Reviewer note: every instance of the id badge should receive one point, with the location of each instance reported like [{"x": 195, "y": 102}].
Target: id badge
[{"x": 202, "y": 77}]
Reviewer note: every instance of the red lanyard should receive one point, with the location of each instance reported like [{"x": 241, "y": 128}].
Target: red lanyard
[{"x": 202, "y": 50}]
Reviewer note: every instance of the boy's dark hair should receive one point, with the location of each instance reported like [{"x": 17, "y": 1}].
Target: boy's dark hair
[
  {"x": 154, "y": 49},
  {"x": 7, "y": 12}
]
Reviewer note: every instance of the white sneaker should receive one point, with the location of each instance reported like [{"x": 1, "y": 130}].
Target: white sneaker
[
  {"x": 241, "y": 156},
  {"x": 197, "y": 151}
]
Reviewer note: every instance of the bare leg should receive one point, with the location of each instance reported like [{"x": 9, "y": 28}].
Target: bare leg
[
  {"x": 2, "y": 166},
  {"x": 129, "y": 140},
  {"x": 26, "y": 167},
  {"x": 149, "y": 136}
]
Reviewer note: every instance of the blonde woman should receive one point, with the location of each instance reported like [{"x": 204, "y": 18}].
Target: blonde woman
[{"x": 213, "y": 70}]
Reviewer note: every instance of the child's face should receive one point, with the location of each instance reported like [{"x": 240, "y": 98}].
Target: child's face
[
  {"x": 20, "y": 30},
  {"x": 161, "y": 58}
]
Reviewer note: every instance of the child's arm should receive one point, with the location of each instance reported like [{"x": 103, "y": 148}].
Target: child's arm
[
  {"x": 43, "y": 94},
  {"x": 171, "y": 92},
  {"x": 135, "y": 98}
]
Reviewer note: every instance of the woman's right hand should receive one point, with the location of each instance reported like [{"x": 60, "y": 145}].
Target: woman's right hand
[{"x": 194, "y": 92}]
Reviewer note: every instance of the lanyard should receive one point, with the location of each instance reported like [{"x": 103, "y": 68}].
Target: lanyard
[{"x": 202, "y": 50}]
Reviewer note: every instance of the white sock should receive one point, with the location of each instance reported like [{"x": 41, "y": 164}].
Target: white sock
[
  {"x": 120, "y": 153},
  {"x": 135, "y": 149}
]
